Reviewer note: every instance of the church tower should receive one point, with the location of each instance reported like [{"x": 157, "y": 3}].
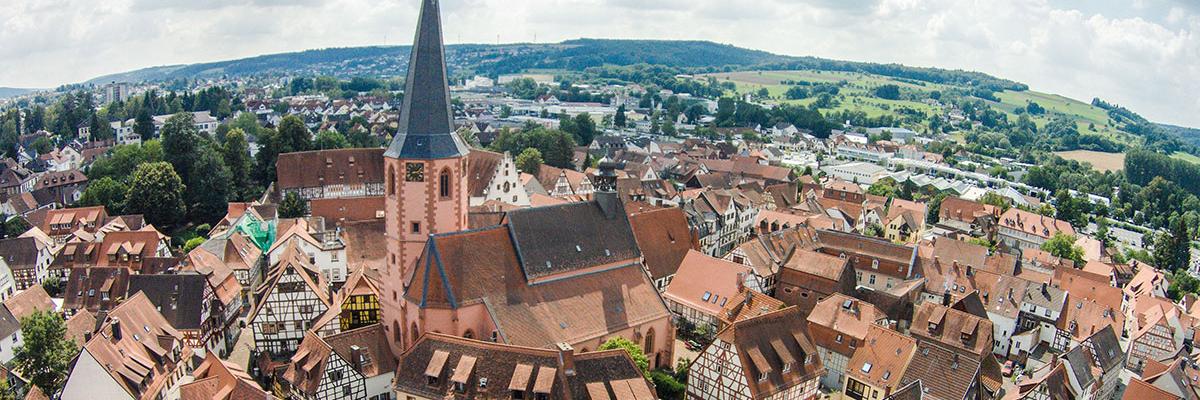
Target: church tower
[{"x": 426, "y": 167}]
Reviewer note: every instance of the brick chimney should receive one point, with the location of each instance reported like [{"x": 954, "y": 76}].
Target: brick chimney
[
  {"x": 356, "y": 358},
  {"x": 741, "y": 282},
  {"x": 566, "y": 358},
  {"x": 114, "y": 327}
]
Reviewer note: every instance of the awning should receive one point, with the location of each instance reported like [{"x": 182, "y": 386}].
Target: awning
[
  {"x": 782, "y": 351},
  {"x": 462, "y": 372},
  {"x": 520, "y": 378},
  {"x": 760, "y": 362},
  {"x": 545, "y": 380},
  {"x": 597, "y": 391},
  {"x": 640, "y": 390},
  {"x": 436, "y": 363}
]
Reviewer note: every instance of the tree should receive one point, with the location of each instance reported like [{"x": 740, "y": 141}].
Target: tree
[
  {"x": 12, "y": 226},
  {"x": 935, "y": 208},
  {"x": 796, "y": 93},
  {"x": 143, "y": 125},
  {"x": 620, "y": 119},
  {"x": 995, "y": 199},
  {"x": 42, "y": 145},
  {"x": 1063, "y": 245},
  {"x": 1171, "y": 250},
  {"x": 331, "y": 140},
  {"x": 584, "y": 129},
  {"x": 264, "y": 160},
  {"x": 156, "y": 192},
  {"x": 208, "y": 191},
  {"x": 179, "y": 141},
  {"x": 632, "y": 348},
  {"x": 874, "y": 230},
  {"x": 107, "y": 192},
  {"x": 293, "y": 206},
  {"x": 237, "y": 158},
  {"x": 1070, "y": 209},
  {"x": 889, "y": 92},
  {"x": 46, "y": 353},
  {"x": 529, "y": 161},
  {"x": 293, "y": 135},
  {"x": 885, "y": 187},
  {"x": 192, "y": 244},
  {"x": 99, "y": 129}
]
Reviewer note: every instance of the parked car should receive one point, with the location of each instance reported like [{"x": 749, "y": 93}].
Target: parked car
[{"x": 1007, "y": 370}]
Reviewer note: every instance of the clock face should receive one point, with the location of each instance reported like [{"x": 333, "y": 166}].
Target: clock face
[{"x": 415, "y": 172}]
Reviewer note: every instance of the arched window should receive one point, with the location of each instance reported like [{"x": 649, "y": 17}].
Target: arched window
[
  {"x": 444, "y": 183},
  {"x": 649, "y": 346},
  {"x": 469, "y": 334},
  {"x": 396, "y": 335},
  {"x": 415, "y": 333},
  {"x": 391, "y": 181}
]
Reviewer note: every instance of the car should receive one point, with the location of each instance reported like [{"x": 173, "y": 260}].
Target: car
[
  {"x": 692, "y": 345},
  {"x": 1008, "y": 368}
]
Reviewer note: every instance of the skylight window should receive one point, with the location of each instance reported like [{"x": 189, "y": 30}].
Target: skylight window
[
  {"x": 707, "y": 295},
  {"x": 866, "y": 368}
]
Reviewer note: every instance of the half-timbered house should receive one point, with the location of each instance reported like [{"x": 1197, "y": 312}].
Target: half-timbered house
[{"x": 290, "y": 299}]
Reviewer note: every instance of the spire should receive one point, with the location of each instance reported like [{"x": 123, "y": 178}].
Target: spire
[{"x": 426, "y": 122}]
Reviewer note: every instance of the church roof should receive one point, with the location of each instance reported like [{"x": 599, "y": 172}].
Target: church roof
[{"x": 426, "y": 122}]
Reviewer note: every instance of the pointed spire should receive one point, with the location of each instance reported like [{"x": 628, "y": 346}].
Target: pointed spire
[{"x": 426, "y": 122}]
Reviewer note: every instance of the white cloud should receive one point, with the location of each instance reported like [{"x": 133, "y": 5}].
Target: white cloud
[{"x": 1146, "y": 57}]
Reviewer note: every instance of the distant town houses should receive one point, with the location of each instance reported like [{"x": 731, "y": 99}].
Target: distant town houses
[{"x": 742, "y": 262}]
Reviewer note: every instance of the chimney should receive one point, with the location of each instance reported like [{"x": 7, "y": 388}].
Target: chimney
[
  {"x": 566, "y": 359},
  {"x": 114, "y": 326},
  {"x": 356, "y": 357},
  {"x": 946, "y": 298},
  {"x": 970, "y": 272},
  {"x": 1045, "y": 289},
  {"x": 741, "y": 282}
]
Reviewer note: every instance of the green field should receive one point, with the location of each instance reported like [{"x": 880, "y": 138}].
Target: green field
[
  {"x": 1187, "y": 157},
  {"x": 857, "y": 95}
]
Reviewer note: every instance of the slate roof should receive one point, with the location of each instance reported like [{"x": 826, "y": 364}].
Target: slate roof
[
  {"x": 179, "y": 297},
  {"x": 563, "y": 238},
  {"x": 19, "y": 253},
  {"x": 426, "y": 122}
]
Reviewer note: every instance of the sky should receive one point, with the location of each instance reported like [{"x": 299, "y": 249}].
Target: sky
[{"x": 1143, "y": 54}]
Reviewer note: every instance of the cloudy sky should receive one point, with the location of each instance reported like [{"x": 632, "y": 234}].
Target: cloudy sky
[{"x": 1144, "y": 54}]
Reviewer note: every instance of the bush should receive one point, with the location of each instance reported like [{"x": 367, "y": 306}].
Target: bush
[
  {"x": 667, "y": 386},
  {"x": 192, "y": 244}
]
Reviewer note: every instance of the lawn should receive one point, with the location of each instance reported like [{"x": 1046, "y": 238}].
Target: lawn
[
  {"x": 1100, "y": 161},
  {"x": 1187, "y": 157},
  {"x": 855, "y": 95}
]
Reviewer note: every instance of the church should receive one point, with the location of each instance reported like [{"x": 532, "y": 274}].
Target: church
[{"x": 566, "y": 274}]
